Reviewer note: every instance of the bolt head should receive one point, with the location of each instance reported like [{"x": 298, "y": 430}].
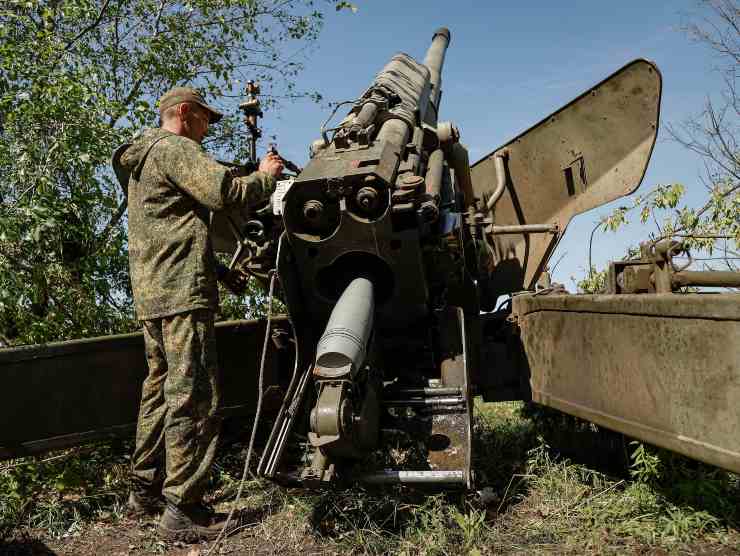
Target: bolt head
[
  {"x": 412, "y": 182},
  {"x": 367, "y": 198}
]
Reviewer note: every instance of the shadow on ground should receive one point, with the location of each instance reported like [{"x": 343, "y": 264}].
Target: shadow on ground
[{"x": 25, "y": 546}]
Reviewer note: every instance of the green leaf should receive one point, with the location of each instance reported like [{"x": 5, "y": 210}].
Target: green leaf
[
  {"x": 346, "y": 6},
  {"x": 67, "y": 111}
]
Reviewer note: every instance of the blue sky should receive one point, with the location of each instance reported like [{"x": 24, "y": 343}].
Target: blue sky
[{"x": 509, "y": 65}]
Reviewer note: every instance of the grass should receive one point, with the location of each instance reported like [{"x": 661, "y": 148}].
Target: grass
[
  {"x": 532, "y": 500},
  {"x": 561, "y": 505},
  {"x": 63, "y": 490}
]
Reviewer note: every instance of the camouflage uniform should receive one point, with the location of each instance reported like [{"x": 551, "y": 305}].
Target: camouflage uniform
[{"x": 172, "y": 188}]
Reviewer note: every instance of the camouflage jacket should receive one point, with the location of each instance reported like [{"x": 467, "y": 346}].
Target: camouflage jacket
[{"x": 173, "y": 186}]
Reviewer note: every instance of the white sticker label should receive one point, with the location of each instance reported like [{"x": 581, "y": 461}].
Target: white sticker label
[{"x": 277, "y": 198}]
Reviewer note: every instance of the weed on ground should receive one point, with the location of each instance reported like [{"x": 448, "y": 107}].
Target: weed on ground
[
  {"x": 60, "y": 492},
  {"x": 611, "y": 497}
]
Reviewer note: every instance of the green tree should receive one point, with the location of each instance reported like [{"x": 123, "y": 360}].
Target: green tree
[
  {"x": 712, "y": 226},
  {"x": 77, "y": 78}
]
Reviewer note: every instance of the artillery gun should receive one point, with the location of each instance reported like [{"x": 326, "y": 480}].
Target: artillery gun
[{"x": 392, "y": 252}]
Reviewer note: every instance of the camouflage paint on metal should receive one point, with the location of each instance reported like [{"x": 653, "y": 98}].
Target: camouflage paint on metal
[{"x": 173, "y": 187}]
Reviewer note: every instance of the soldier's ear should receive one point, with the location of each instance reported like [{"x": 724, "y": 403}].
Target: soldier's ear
[{"x": 183, "y": 110}]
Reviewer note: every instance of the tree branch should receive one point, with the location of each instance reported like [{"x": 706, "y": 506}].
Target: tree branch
[
  {"x": 90, "y": 27},
  {"x": 102, "y": 238},
  {"x": 136, "y": 86},
  {"x": 20, "y": 265}
]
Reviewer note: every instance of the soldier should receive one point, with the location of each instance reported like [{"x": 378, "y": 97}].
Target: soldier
[{"x": 172, "y": 188}]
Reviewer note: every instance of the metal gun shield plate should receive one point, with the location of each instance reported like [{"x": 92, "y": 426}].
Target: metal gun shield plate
[{"x": 590, "y": 152}]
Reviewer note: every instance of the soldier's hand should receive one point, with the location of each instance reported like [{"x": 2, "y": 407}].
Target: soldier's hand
[
  {"x": 235, "y": 280},
  {"x": 271, "y": 164}
]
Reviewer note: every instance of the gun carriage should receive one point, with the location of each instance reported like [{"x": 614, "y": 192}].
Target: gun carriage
[{"x": 391, "y": 253}]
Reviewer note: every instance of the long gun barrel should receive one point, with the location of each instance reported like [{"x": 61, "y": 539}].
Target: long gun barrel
[{"x": 435, "y": 60}]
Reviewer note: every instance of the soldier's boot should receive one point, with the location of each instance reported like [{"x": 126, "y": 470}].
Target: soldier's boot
[
  {"x": 192, "y": 523},
  {"x": 144, "y": 502}
]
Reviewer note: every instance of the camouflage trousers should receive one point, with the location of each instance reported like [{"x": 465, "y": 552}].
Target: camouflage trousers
[{"x": 178, "y": 426}]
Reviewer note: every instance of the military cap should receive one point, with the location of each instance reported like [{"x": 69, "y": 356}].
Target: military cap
[{"x": 176, "y": 95}]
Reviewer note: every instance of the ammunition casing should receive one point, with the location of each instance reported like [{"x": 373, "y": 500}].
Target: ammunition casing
[{"x": 341, "y": 349}]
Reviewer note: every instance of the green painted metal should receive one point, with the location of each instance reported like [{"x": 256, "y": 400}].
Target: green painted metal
[
  {"x": 590, "y": 152},
  {"x": 662, "y": 368},
  {"x": 67, "y": 393}
]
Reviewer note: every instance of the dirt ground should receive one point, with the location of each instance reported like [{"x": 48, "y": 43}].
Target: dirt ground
[
  {"x": 538, "y": 503},
  {"x": 131, "y": 537},
  {"x": 277, "y": 534}
]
